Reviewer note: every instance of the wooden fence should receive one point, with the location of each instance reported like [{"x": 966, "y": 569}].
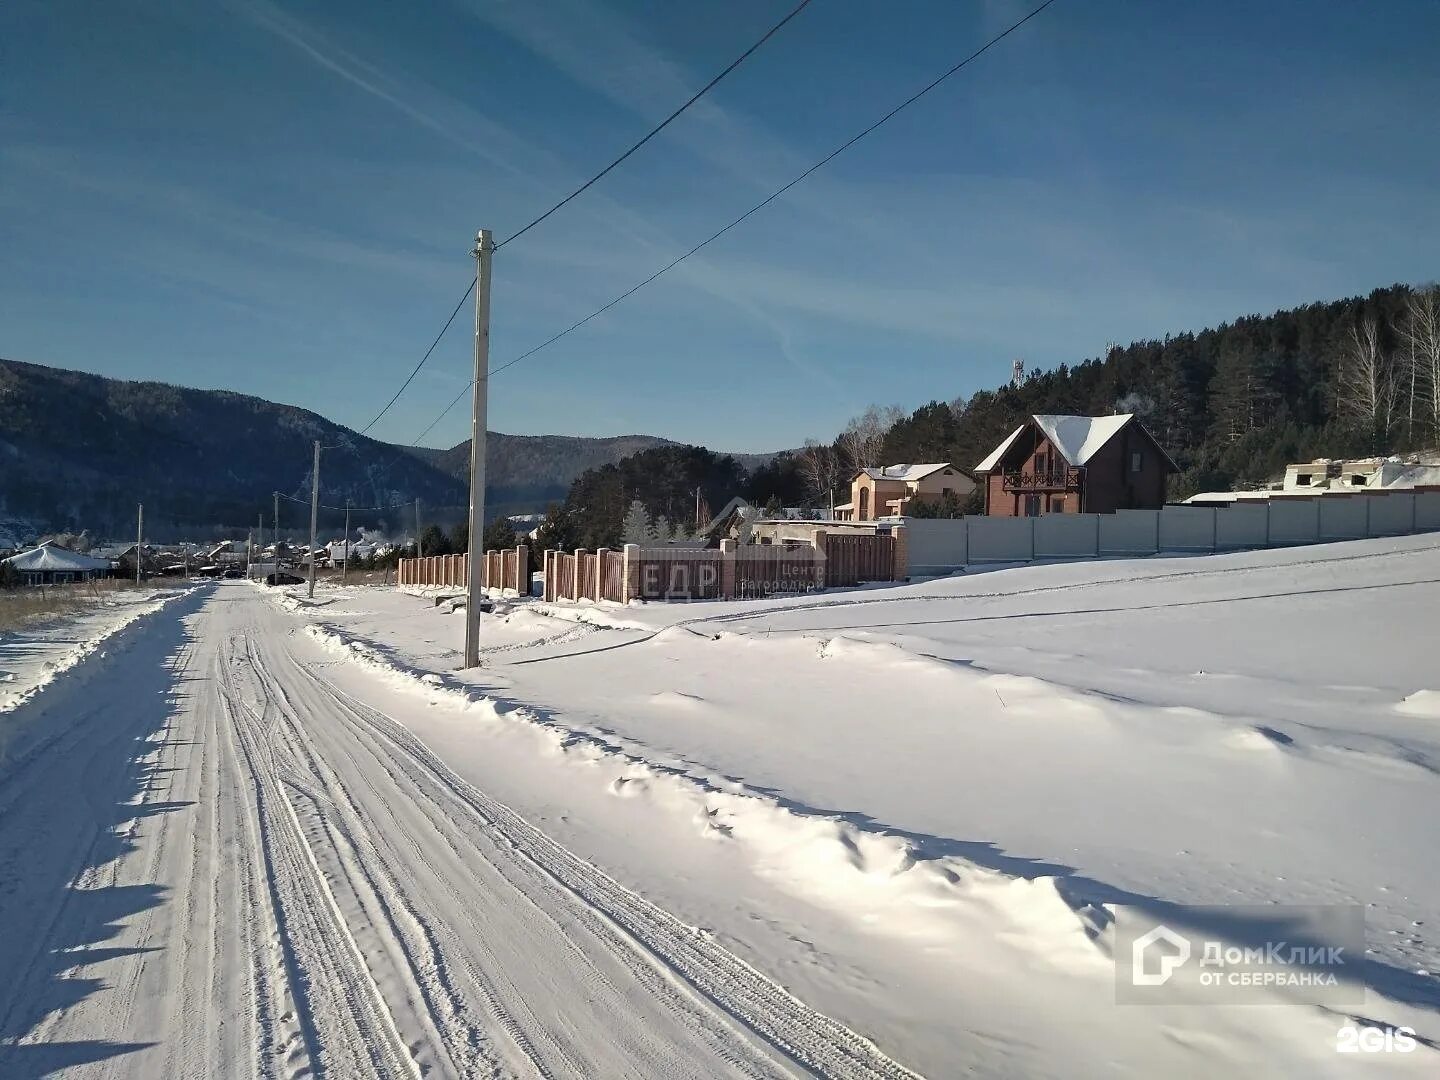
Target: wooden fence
[
  {"x": 733, "y": 572},
  {"x": 507, "y": 569}
]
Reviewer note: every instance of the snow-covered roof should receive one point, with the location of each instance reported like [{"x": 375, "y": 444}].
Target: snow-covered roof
[
  {"x": 1078, "y": 438},
  {"x": 51, "y": 557},
  {"x": 905, "y": 472},
  {"x": 993, "y": 458}
]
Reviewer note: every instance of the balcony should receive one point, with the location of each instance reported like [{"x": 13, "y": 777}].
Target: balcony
[{"x": 1070, "y": 478}]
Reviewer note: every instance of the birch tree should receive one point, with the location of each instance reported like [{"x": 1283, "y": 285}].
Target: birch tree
[
  {"x": 863, "y": 439},
  {"x": 820, "y": 469},
  {"x": 1422, "y": 340},
  {"x": 1366, "y": 386}
]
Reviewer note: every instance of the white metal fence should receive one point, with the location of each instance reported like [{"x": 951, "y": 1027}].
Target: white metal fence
[{"x": 940, "y": 546}]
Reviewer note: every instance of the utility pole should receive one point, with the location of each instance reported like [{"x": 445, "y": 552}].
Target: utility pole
[
  {"x": 314, "y": 513},
  {"x": 345, "y": 566},
  {"x": 249, "y": 555},
  {"x": 484, "y": 249},
  {"x": 418, "y": 552},
  {"x": 260, "y": 530},
  {"x": 275, "y": 531},
  {"x": 139, "y": 539}
]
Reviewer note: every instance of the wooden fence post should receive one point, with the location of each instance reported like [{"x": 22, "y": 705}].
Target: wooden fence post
[
  {"x": 599, "y": 574},
  {"x": 522, "y": 569}
]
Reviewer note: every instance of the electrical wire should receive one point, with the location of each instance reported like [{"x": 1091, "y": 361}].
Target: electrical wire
[
  {"x": 579, "y": 191},
  {"x": 662, "y": 125},
  {"x": 911, "y": 100},
  {"x": 360, "y": 509}
]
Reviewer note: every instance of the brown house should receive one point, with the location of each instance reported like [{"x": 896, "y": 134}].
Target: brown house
[
  {"x": 890, "y": 490},
  {"x": 1074, "y": 465}
]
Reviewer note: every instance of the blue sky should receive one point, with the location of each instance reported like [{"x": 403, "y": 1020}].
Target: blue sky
[{"x": 279, "y": 198}]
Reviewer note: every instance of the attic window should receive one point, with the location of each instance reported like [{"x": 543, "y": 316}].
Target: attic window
[
  {"x": 1137, "y": 460},
  {"x": 1302, "y": 479}
]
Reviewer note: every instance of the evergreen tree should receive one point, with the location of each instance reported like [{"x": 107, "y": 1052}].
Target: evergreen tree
[
  {"x": 500, "y": 535},
  {"x": 637, "y": 527},
  {"x": 433, "y": 541}
]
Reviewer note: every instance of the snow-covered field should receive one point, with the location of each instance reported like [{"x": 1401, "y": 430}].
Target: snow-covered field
[{"x": 852, "y": 834}]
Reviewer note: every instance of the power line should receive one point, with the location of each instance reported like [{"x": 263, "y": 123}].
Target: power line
[
  {"x": 911, "y": 100},
  {"x": 416, "y": 371},
  {"x": 359, "y": 509},
  {"x": 662, "y": 125},
  {"x": 580, "y": 190}
]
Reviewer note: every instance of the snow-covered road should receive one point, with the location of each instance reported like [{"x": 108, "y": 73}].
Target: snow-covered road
[{"x": 215, "y": 861}]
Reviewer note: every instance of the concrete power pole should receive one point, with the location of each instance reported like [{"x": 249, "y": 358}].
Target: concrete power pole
[
  {"x": 484, "y": 249},
  {"x": 139, "y": 539},
  {"x": 314, "y": 514},
  {"x": 345, "y": 566}
]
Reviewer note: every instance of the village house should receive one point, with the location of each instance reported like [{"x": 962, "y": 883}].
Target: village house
[
  {"x": 1075, "y": 464},
  {"x": 892, "y": 490},
  {"x": 51, "y": 564}
]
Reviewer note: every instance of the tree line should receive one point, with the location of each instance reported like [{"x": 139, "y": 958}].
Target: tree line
[{"x": 1232, "y": 405}]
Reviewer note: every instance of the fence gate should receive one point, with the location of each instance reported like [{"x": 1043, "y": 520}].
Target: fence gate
[{"x": 849, "y": 560}]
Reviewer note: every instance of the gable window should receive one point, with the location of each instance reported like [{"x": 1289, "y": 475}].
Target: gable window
[{"x": 1137, "y": 461}]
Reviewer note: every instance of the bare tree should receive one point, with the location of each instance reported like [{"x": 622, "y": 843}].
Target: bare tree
[
  {"x": 1422, "y": 338},
  {"x": 863, "y": 439},
  {"x": 820, "y": 469},
  {"x": 1366, "y": 385}
]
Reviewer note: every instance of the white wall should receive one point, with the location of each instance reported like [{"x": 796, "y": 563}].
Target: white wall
[
  {"x": 1344, "y": 519},
  {"x": 937, "y": 545},
  {"x": 1130, "y": 532},
  {"x": 942, "y": 546},
  {"x": 1067, "y": 536},
  {"x": 1294, "y": 521},
  {"x": 1188, "y": 528},
  {"x": 999, "y": 539},
  {"x": 1427, "y": 510},
  {"x": 1243, "y": 525}
]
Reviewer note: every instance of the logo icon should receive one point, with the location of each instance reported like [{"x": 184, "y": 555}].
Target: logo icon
[{"x": 1169, "y": 960}]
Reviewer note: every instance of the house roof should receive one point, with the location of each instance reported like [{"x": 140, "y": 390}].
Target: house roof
[
  {"x": 52, "y": 557},
  {"x": 904, "y": 472},
  {"x": 1078, "y": 438}
]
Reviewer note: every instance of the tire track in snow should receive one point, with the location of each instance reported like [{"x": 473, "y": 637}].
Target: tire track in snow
[
  {"x": 348, "y": 1028},
  {"x": 811, "y": 1039}
]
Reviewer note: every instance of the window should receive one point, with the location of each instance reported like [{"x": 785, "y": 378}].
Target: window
[
  {"x": 1357, "y": 480},
  {"x": 946, "y": 491},
  {"x": 1032, "y": 505},
  {"x": 1057, "y": 504},
  {"x": 1302, "y": 479},
  {"x": 1137, "y": 461}
]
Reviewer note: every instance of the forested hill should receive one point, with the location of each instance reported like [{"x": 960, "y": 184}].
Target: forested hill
[
  {"x": 80, "y": 450},
  {"x": 1232, "y": 404}
]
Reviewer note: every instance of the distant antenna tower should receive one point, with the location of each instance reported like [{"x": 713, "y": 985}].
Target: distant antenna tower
[{"x": 1017, "y": 373}]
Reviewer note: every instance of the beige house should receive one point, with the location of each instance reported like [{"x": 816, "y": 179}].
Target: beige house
[{"x": 890, "y": 490}]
